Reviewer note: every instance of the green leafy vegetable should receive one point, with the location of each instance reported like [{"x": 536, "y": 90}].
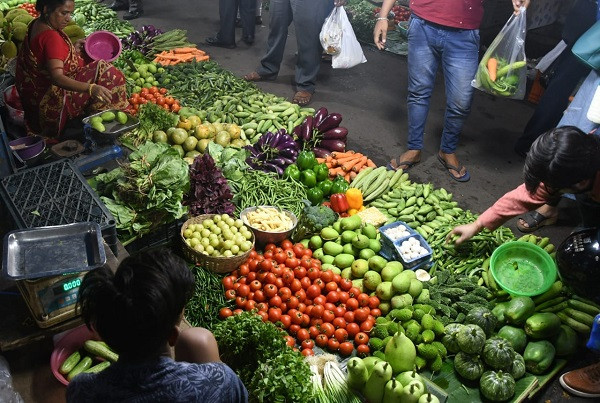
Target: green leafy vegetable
[{"x": 231, "y": 160}]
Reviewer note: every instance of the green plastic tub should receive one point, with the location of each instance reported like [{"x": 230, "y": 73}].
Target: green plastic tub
[{"x": 522, "y": 268}]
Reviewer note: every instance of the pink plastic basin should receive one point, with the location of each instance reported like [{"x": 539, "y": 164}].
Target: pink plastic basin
[
  {"x": 67, "y": 345},
  {"x": 103, "y": 45},
  {"x": 14, "y": 107}
]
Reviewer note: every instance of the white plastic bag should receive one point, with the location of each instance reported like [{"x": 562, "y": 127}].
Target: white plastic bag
[
  {"x": 508, "y": 49},
  {"x": 351, "y": 53},
  {"x": 331, "y": 33}
]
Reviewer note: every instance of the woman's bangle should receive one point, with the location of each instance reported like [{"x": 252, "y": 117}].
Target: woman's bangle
[
  {"x": 381, "y": 19},
  {"x": 90, "y": 89}
]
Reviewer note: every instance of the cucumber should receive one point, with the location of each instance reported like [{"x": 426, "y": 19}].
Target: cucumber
[
  {"x": 579, "y": 316},
  {"x": 84, "y": 364},
  {"x": 552, "y": 292},
  {"x": 580, "y": 328},
  {"x": 96, "y": 348},
  {"x": 583, "y": 307},
  {"x": 98, "y": 368},
  {"x": 549, "y": 303},
  {"x": 70, "y": 363},
  {"x": 587, "y": 301}
]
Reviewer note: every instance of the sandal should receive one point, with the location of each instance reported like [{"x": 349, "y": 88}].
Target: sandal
[
  {"x": 535, "y": 220},
  {"x": 254, "y": 76},
  {"x": 302, "y": 98},
  {"x": 404, "y": 165},
  {"x": 463, "y": 178}
]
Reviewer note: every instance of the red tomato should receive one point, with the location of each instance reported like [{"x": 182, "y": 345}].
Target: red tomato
[
  {"x": 270, "y": 278},
  {"x": 329, "y": 306},
  {"x": 228, "y": 282},
  {"x": 285, "y": 294},
  {"x": 367, "y": 325},
  {"x": 280, "y": 257},
  {"x": 230, "y": 294},
  {"x": 293, "y": 329},
  {"x": 253, "y": 264},
  {"x": 243, "y": 290},
  {"x": 286, "y": 321},
  {"x": 302, "y": 307},
  {"x": 162, "y": 91},
  {"x": 341, "y": 334},
  {"x": 308, "y": 310},
  {"x": 261, "y": 306},
  {"x": 376, "y": 312},
  {"x": 250, "y": 305},
  {"x": 321, "y": 340},
  {"x": 270, "y": 291},
  {"x": 277, "y": 270},
  {"x": 288, "y": 276},
  {"x": 266, "y": 265},
  {"x": 313, "y": 273},
  {"x": 237, "y": 311},
  {"x": 296, "y": 285},
  {"x": 270, "y": 247},
  {"x": 345, "y": 284},
  {"x": 327, "y": 276},
  {"x": 287, "y": 244},
  {"x": 339, "y": 311},
  {"x": 300, "y": 272},
  {"x": 316, "y": 322},
  {"x": 292, "y": 263},
  {"x": 305, "y": 320},
  {"x": 307, "y": 352},
  {"x": 320, "y": 283},
  {"x": 275, "y": 300},
  {"x": 363, "y": 299},
  {"x": 274, "y": 314},
  {"x": 240, "y": 302},
  {"x": 317, "y": 311},
  {"x": 337, "y": 278},
  {"x": 349, "y": 316},
  {"x": 354, "y": 292},
  {"x": 290, "y": 341},
  {"x": 263, "y": 315},
  {"x": 374, "y": 302},
  {"x": 259, "y": 295},
  {"x": 363, "y": 350},
  {"x": 313, "y": 291},
  {"x": 244, "y": 269},
  {"x": 361, "y": 338},
  {"x": 333, "y": 344},
  {"x": 301, "y": 295},
  {"x": 353, "y": 329},
  {"x": 302, "y": 335},
  {"x": 298, "y": 250},
  {"x": 225, "y": 312},
  {"x": 333, "y": 296},
  {"x": 305, "y": 281},
  {"x": 307, "y": 252},
  {"x": 344, "y": 296},
  {"x": 255, "y": 285},
  {"x": 331, "y": 286},
  {"x": 328, "y": 316},
  {"x": 297, "y": 317},
  {"x": 292, "y": 302},
  {"x": 361, "y": 314},
  {"x": 328, "y": 329},
  {"x": 320, "y": 300},
  {"x": 253, "y": 254},
  {"x": 346, "y": 348},
  {"x": 305, "y": 262},
  {"x": 339, "y": 323},
  {"x": 313, "y": 331},
  {"x": 308, "y": 344}
]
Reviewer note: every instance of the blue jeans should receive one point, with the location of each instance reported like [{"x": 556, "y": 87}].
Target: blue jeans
[
  {"x": 457, "y": 50},
  {"x": 576, "y": 112}
]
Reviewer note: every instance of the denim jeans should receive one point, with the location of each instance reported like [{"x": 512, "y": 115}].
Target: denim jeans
[
  {"x": 457, "y": 50},
  {"x": 576, "y": 112}
]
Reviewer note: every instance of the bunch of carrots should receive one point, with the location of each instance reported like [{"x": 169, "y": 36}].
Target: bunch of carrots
[
  {"x": 347, "y": 164},
  {"x": 180, "y": 55}
]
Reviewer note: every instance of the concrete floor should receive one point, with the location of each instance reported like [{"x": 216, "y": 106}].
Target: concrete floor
[{"x": 371, "y": 97}]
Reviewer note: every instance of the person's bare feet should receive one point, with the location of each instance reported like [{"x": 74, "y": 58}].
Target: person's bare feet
[
  {"x": 549, "y": 215},
  {"x": 407, "y": 160},
  {"x": 451, "y": 160}
]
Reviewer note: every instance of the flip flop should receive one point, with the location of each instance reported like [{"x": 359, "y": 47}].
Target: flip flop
[
  {"x": 535, "y": 220},
  {"x": 463, "y": 178},
  {"x": 302, "y": 98},
  {"x": 408, "y": 164},
  {"x": 254, "y": 76}
]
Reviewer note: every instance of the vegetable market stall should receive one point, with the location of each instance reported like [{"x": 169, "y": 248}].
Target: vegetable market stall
[{"x": 220, "y": 145}]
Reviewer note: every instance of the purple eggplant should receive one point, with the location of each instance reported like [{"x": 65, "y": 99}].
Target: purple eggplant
[
  {"x": 288, "y": 152},
  {"x": 267, "y": 166},
  {"x": 321, "y": 152},
  {"x": 288, "y": 161},
  {"x": 331, "y": 121},
  {"x": 297, "y": 131},
  {"x": 337, "y": 133},
  {"x": 264, "y": 139},
  {"x": 320, "y": 114},
  {"x": 274, "y": 140},
  {"x": 307, "y": 128},
  {"x": 289, "y": 144},
  {"x": 333, "y": 145},
  {"x": 279, "y": 161}
]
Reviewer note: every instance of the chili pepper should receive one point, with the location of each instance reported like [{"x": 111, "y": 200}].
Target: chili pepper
[
  {"x": 314, "y": 195},
  {"x": 292, "y": 171},
  {"x": 355, "y": 198},
  {"x": 325, "y": 187},
  {"x": 338, "y": 201},
  {"x": 321, "y": 171},
  {"x": 306, "y": 160},
  {"x": 309, "y": 179}
]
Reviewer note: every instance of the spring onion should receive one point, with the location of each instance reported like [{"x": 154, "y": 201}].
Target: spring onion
[
  {"x": 335, "y": 386},
  {"x": 318, "y": 391}
]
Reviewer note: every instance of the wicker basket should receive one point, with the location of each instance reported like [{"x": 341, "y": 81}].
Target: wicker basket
[{"x": 214, "y": 264}]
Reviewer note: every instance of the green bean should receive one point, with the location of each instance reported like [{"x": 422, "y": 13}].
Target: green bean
[{"x": 208, "y": 298}]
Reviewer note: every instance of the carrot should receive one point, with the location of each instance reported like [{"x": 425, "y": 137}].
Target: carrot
[
  {"x": 347, "y": 176},
  {"x": 333, "y": 172},
  {"x": 186, "y": 50},
  {"x": 202, "y": 58},
  {"x": 370, "y": 163},
  {"x": 361, "y": 163},
  {"x": 341, "y": 154},
  {"x": 320, "y": 160},
  {"x": 329, "y": 165},
  {"x": 352, "y": 175},
  {"x": 348, "y": 165},
  {"x": 492, "y": 65},
  {"x": 341, "y": 160}
]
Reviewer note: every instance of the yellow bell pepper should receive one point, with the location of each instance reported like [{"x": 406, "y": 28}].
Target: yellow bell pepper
[
  {"x": 355, "y": 198},
  {"x": 352, "y": 211}
]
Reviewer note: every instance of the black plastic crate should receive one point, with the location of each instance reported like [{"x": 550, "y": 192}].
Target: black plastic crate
[
  {"x": 55, "y": 194},
  {"x": 166, "y": 234}
]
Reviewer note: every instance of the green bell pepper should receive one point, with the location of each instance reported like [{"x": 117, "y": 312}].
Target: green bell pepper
[
  {"x": 306, "y": 160},
  {"x": 314, "y": 196},
  {"x": 539, "y": 356},
  {"x": 321, "y": 171},
  {"x": 325, "y": 187},
  {"x": 308, "y": 178},
  {"x": 339, "y": 185},
  {"x": 292, "y": 171}
]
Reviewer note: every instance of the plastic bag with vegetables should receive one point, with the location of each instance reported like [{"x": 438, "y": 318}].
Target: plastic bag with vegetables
[
  {"x": 502, "y": 69},
  {"x": 331, "y": 33}
]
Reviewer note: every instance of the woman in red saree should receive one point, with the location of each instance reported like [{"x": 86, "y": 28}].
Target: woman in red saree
[{"x": 54, "y": 83}]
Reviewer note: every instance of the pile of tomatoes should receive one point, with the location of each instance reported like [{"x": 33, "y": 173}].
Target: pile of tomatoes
[
  {"x": 287, "y": 286},
  {"x": 155, "y": 95},
  {"x": 30, "y": 8}
]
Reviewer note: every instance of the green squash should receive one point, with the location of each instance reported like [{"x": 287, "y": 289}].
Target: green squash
[
  {"x": 517, "y": 367},
  {"x": 499, "y": 311},
  {"x": 519, "y": 309},
  {"x": 498, "y": 353},
  {"x": 515, "y": 335},
  {"x": 449, "y": 338},
  {"x": 482, "y": 317},
  {"x": 565, "y": 342},
  {"x": 497, "y": 386},
  {"x": 539, "y": 356},
  {"x": 470, "y": 339},
  {"x": 468, "y": 366}
]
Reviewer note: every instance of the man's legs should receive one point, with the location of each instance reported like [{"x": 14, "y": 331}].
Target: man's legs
[{"x": 280, "y": 19}]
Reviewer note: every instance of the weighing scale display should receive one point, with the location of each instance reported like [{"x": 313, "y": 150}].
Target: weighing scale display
[{"x": 61, "y": 294}]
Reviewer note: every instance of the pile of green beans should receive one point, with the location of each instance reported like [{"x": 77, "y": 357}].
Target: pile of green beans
[
  {"x": 258, "y": 188},
  {"x": 209, "y": 297},
  {"x": 468, "y": 258}
]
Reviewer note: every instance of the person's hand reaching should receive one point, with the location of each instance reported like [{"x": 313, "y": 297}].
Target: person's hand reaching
[
  {"x": 339, "y": 3},
  {"x": 517, "y": 4},
  {"x": 464, "y": 232},
  {"x": 101, "y": 93},
  {"x": 380, "y": 33}
]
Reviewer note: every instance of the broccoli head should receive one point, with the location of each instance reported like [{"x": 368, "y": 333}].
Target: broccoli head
[{"x": 312, "y": 220}]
